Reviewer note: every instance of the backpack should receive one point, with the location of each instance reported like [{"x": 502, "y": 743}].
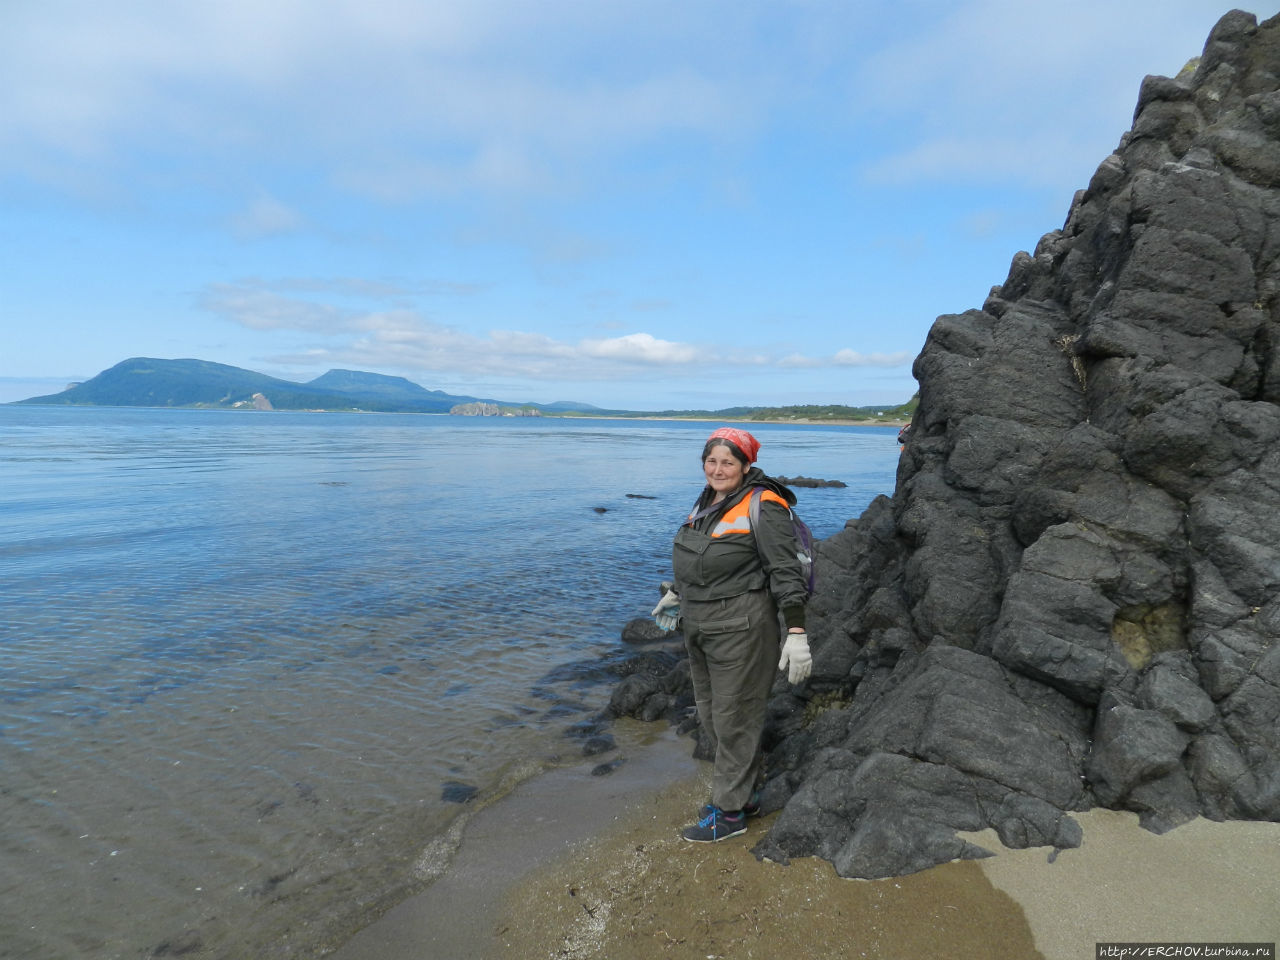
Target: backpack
[{"x": 804, "y": 538}]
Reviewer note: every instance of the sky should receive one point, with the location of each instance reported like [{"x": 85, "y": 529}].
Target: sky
[{"x": 637, "y": 204}]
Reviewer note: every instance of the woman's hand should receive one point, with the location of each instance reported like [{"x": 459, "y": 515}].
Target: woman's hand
[
  {"x": 796, "y": 659},
  {"x": 667, "y": 613}
]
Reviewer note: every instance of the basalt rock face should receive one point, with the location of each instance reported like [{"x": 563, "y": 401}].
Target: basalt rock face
[{"x": 1073, "y": 597}]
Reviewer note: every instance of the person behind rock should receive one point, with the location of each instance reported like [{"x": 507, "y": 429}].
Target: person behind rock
[{"x": 730, "y": 582}]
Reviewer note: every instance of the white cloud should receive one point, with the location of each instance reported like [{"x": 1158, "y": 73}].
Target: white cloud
[
  {"x": 413, "y": 343},
  {"x": 396, "y": 97},
  {"x": 640, "y": 348},
  {"x": 847, "y": 358},
  {"x": 404, "y": 99},
  {"x": 1045, "y": 156},
  {"x": 258, "y": 308},
  {"x": 266, "y": 217},
  {"x": 852, "y": 358},
  {"x": 403, "y": 339},
  {"x": 1038, "y": 92}
]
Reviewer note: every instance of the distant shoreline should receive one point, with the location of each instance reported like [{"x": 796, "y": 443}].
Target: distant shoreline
[
  {"x": 797, "y": 422},
  {"x": 802, "y": 422}
]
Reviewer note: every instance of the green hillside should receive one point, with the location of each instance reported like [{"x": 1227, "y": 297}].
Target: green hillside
[
  {"x": 379, "y": 388},
  {"x": 147, "y": 382}
]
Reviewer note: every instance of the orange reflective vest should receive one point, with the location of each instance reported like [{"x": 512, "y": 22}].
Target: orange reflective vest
[
  {"x": 727, "y": 557},
  {"x": 737, "y": 519}
]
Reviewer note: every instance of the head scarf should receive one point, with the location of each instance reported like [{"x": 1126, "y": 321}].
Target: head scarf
[{"x": 744, "y": 441}]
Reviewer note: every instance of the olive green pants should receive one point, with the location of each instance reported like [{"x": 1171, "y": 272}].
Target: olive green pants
[{"x": 733, "y": 649}]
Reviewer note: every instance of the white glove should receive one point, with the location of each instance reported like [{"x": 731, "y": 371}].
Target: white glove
[
  {"x": 667, "y": 613},
  {"x": 796, "y": 659}
]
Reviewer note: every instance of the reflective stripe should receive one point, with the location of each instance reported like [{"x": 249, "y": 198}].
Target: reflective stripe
[{"x": 738, "y": 517}]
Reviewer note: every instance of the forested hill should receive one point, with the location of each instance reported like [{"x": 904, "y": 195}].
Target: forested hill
[{"x": 148, "y": 382}]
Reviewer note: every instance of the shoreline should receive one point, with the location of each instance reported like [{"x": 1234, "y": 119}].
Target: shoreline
[
  {"x": 800, "y": 422},
  {"x": 511, "y": 839},
  {"x": 782, "y": 423},
  {"x": 592, "y": 868}
]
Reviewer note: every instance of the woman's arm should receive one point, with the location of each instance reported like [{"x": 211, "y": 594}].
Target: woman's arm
[{"x": 779, "y": 555}]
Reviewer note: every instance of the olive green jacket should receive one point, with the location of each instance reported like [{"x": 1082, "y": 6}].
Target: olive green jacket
[{"x": 719, "y": 555}]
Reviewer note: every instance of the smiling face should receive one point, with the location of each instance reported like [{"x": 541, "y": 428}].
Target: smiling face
[{"x": 723, "y": 469}]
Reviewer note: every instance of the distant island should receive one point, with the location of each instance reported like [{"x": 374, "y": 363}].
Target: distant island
[{"x": 149, "y": 382}]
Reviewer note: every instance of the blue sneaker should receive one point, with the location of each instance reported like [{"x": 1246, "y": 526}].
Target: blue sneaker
[
  {"x": 749, "y": 809},
  {"x": 716, "y": 825}
]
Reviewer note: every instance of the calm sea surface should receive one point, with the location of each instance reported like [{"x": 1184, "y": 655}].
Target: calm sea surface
[{"x": 246, "y": 658}]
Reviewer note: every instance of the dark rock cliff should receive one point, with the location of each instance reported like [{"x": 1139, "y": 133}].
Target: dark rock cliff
[{"x": 1073, "y": 597}]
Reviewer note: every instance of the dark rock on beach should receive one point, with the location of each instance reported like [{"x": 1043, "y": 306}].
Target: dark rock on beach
[
  {"x": 1073, "y": 597},
  {"x": 598, "y": 745},
  {"x": 644, "y": 630},
  {"x": 454, "y": 792}
]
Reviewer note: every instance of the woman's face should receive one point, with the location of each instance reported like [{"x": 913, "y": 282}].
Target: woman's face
[{"x": 724, "y": 471}]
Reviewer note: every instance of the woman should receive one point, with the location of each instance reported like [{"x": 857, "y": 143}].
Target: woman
[{"x": 731, "y": 579}]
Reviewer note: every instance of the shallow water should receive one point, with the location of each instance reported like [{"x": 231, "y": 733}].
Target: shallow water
[{"x": 245, "y": 656}]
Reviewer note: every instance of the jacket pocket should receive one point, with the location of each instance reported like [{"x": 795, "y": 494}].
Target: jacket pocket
[
  {"x": 688, "y": 557},
  {"x": 717, "y": 628}
]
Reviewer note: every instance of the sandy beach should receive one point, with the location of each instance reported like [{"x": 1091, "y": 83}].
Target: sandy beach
[{"x": 571, "y": 865}]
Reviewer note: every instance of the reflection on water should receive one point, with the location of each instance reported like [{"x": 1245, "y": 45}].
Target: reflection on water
[{"x": 243, "y": 654}]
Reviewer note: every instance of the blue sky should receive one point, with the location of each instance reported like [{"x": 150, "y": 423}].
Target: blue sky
[{"x": 640, "y": 205}]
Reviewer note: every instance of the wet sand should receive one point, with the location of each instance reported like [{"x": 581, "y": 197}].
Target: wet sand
[
  {"x": 543, "y": 819},
  {"x": 572, "y": 865}
]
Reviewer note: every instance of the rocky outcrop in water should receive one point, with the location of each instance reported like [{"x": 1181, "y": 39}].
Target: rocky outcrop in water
[
  {"x": 809, "y": 482},
  {"x": 484, "y": 409},
  {"x": 1073, "y": 597}
]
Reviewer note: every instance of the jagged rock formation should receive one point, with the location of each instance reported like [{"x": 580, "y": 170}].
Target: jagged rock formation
[{"x": 1073, "y": 597}]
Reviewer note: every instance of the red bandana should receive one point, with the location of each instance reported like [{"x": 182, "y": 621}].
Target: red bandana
[{"x": 740, "y": 439}]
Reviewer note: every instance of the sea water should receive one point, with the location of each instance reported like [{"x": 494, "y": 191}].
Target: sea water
[{"x": 250, "y": 662}]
